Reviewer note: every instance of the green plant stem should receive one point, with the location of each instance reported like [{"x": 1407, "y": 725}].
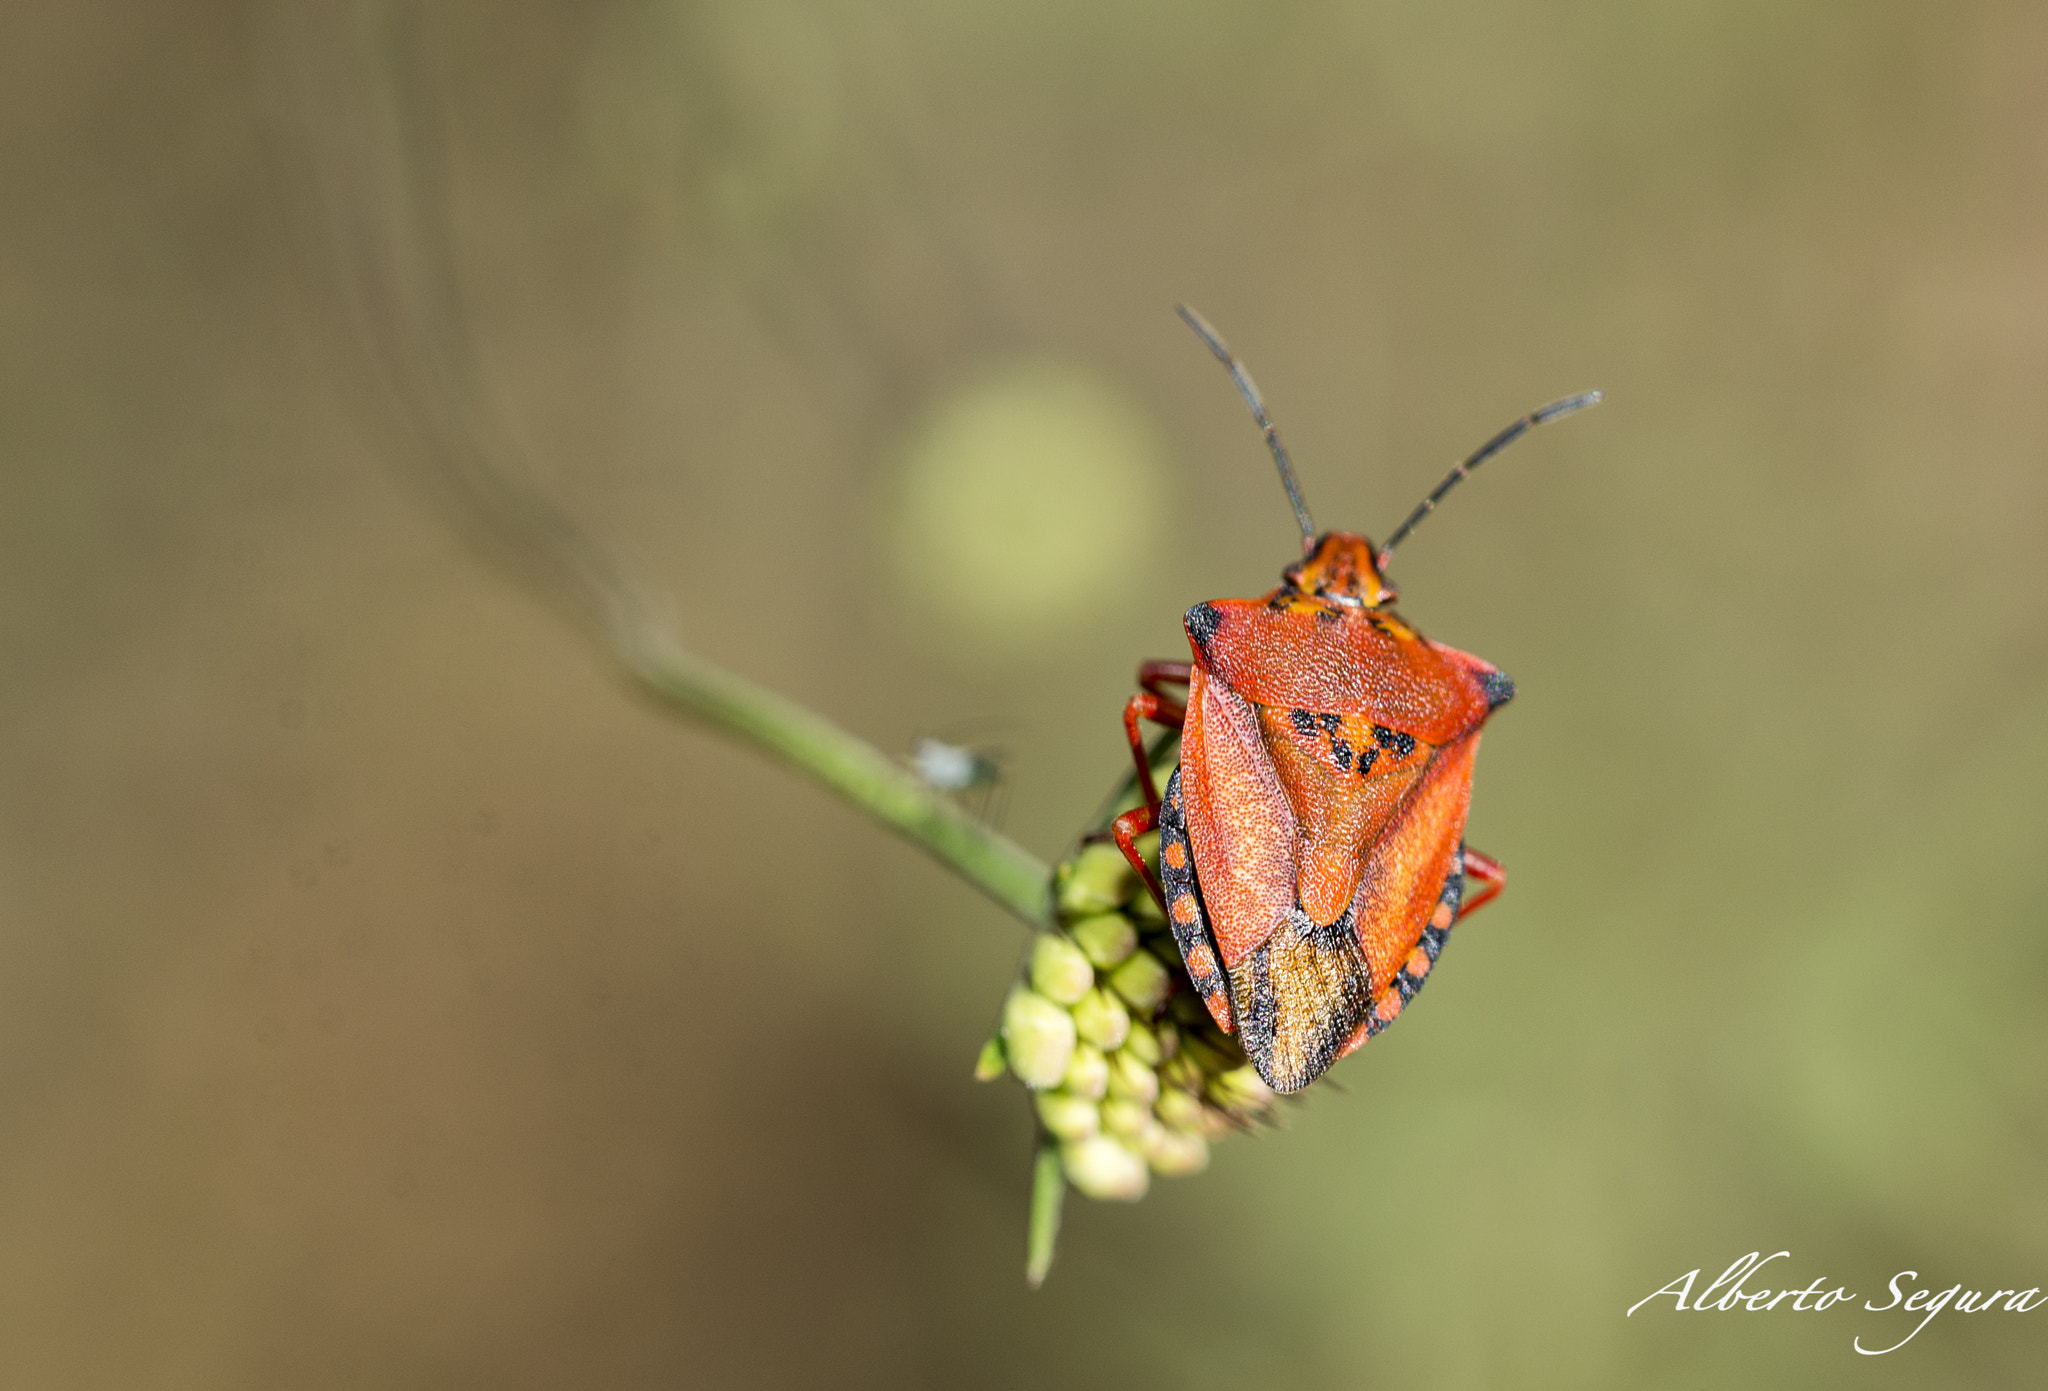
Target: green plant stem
[
  {"x": 845, "y": 764},
  {"x": 1048, "y": 1192},
  {"x": 376, "y": 147}
]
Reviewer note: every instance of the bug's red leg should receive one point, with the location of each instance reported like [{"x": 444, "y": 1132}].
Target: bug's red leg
[
  {"x": 1155, "y": 705},
  {"x": 1487, "y": 870},
  {"x": 1153, "y": 675},
  {"x": 1126, "y": 829},
  {"x": 1146, "y": 705}
]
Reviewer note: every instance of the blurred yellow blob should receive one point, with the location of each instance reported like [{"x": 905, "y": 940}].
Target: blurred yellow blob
[{"x": 1025, "y": 494}]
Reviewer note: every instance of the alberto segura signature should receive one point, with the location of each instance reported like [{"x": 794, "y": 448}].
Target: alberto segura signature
[{"x": 1733, "y": 1290}]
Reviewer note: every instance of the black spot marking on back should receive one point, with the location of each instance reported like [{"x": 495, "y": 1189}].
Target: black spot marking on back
[
  {"x": 1366, "y": 758},
  {"x": 1303, "y": 722},
  {"x": 1497, "y": 689},
  {"x": 1331, "y": 723},
  {"x": 1202, "y": 622},
  {"x": 1341, "y": 751},
  {"x": 1395, "y": 741}
]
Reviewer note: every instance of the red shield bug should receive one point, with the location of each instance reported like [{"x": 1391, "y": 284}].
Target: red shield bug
[{"x": 1311, "y": 841}]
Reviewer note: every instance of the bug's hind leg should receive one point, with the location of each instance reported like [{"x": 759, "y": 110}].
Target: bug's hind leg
[{"x": 1488, "y": 872}]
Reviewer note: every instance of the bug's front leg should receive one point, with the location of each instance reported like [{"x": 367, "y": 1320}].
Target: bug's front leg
[
  {"x": 1488, "y": 871},
  {"x": 1153, "y": 675},
  {"x": 1150, "y": 703}
]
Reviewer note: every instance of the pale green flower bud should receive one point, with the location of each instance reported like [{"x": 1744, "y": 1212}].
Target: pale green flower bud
[
  {"x": 1147, "y": 846},
  {"x": 1104, "y": 939},
  {"x": 1058, "y": 970},
  {"x": 1151, "y": 1134},
  {"x": 1212, "y": 1052},
  {"x": 1143, "y": 1044},
  {"x": 1038, "y": 1038},
  {"x": 1182, "y": 1071},
  {"x": 1067, "y": 1116},
  {"x": 1102, "y": 1019},
  {"x": 1130, "y": 1078},
  {"x": 1088, "y": 1073},
  {"x": 1095, "y": 881},
  {"x": 1143, "y": 906},
  {"x": 1159, "y": 940},
  {"x": 1123, "y": 1116},
  {"x": 1241, "y": 1091},
  {"x": 1143, "y": 982},
  {"x": 1179, "y": 1110},
  {"x": 1175, "y": 1153},
  {"x": 1105, "y": 1169}
]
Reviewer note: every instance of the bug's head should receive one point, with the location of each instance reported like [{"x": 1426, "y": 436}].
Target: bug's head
[
  {"x": 1339, "y": 566},
  {"x": 1343, "y": 568}
]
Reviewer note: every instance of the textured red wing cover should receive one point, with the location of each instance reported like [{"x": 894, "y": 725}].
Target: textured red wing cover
[
  {"x": 1405, "y": 872},
  {"x": 1239, "y": 824},
  {"x": 1294, "y": 659},
  {"x": 1254, "y": 862}
]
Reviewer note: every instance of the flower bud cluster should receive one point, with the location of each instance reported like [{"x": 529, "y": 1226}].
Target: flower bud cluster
[{"x": 1127, "y": 1072}]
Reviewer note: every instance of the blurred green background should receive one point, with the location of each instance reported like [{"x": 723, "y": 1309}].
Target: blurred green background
[{"x": 388, "y": 999}]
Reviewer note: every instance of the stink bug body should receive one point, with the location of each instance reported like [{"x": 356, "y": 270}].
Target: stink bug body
[{"x": 1311, "y": 841}]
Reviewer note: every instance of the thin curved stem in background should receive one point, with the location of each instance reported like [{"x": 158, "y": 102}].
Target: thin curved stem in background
[
  {"x": 372, "y": 166},
  {"x": 847, "y": 765}
]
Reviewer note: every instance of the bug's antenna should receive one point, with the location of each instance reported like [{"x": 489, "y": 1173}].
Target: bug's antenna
[
  {"x": 1485, "y": 451},
  {"x": 1272, "y": 432}
]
